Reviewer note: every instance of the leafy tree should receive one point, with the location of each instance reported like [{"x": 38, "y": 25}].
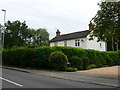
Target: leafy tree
[
  {"x": 107, "y": 23},
  {"x": 16, "y": 33},
  {"x": 40, "y": 36}
]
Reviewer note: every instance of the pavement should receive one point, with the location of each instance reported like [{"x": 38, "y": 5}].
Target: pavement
[{"x": 107, "y": 76}]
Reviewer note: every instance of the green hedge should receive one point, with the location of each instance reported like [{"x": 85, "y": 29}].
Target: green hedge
[
  {"x": 76, "y": 62},
  {"x": 58, "y": 60},
  {"x": 38, "y": 57}
]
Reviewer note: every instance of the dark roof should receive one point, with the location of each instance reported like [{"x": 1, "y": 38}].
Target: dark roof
[{"x": 69, "y": 36}]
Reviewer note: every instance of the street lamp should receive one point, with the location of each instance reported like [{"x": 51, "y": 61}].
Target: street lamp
[{"x": 4, "y": 26}]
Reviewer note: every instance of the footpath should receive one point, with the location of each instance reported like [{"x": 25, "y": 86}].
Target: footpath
[{"x": 107, "y": 76}]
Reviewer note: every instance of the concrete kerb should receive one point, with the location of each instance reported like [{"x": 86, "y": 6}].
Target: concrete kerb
[
  {"x": 16, "y": 69},
  {"x": 83, "y": 81}
]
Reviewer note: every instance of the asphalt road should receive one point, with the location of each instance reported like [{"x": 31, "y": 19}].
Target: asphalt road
[{"x": 17, "y": 79}]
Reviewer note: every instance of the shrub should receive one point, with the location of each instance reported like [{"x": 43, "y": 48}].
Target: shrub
[
  {"x": 19, "y": 57},
  {"x": 76, "y": 62},
  {"x": 99, "y": 60},
  {"x": 58, "y": 60},
  {"x": 71, "y": 51},
  {"x": 43, "y": 54},
  {"x": 114, "y": 57},
  {"x": 70, "y": 69},
  {"x": 109, "y": 61},
  {"x": 106, "y": 65},
  {"x": 85, "y": 63},
  {"x": 119, "y": 57},
  {"x": 38, "y": 57},
  {"x": 92, "y": 66}
]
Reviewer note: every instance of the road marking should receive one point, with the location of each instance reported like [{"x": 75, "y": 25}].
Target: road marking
[{"x": 11, "y": 82}]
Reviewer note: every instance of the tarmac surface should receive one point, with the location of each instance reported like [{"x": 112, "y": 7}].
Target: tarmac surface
[{"x": 107, "y": 76}]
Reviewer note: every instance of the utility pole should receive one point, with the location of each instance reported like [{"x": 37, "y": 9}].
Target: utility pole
[{"x": 3, "y": 27}]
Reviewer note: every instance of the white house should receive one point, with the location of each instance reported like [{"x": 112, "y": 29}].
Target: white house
[{"x": 78, "y": 39}]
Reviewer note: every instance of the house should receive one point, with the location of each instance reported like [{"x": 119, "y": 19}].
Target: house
[{"x": 78, "y": 39}]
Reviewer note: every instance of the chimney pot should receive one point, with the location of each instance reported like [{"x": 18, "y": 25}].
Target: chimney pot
[
  {"x": 57, "y": 32},
  {"x": 90, "y": 26}
]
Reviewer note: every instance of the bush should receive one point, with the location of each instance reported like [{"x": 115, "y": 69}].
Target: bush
[
  {"x": 109, "y": 61},
  {"x": 58, "y": 60},
  {"x": 19, "y": 57},
  {"x": 91, "y": 66},
  {"x": 70, "y": 69},
  {"x": 43, "y": 54},
  {"x": 119, "y": 57},
  {"x": 85, "y": 63},
  {"x": 114, "y": 57},
  {"x": 76, "y": 62},
  {"x": 38, "y": 57}
]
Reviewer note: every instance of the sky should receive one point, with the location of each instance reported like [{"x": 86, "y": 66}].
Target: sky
[{"x": 66, "y": 15}]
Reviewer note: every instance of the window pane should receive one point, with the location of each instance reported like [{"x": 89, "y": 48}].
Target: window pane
[
  {"x": 65, "y": 43},
  {"x": 78, "y": 43},
  {"x": 75, "y": 44}
]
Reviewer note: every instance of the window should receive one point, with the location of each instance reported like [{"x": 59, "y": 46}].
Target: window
[
  {"x": 56, "y": 44},
  {"x": 100, "y": 45},
  {"x": 77, "y": 43},
  {"x": 65, "y": 43}
]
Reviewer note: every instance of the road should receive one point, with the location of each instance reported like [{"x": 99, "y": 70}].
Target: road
[{"x": 17, "y": 79}]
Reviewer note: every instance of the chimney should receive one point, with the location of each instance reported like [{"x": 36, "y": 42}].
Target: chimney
[
  {"x": 90, "y": 26},
  {"x": 57, "y": 33}
]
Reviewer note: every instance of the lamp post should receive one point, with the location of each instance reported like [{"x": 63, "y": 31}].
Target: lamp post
[{"x": 4, "y": 26}]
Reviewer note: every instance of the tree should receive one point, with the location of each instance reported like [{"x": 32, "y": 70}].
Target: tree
[
  {"x": 40, "y": 36},
  {"x": 16, "y": 33},
  {"x": 107, "y": 23}
]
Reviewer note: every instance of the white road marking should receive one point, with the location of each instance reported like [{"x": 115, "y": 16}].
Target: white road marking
[{"x": 11, "y": 82}]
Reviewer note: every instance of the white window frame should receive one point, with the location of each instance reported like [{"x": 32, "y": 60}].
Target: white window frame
[
  {"x": 77, "y": 43},
  {"x": 100, "y": 45}
]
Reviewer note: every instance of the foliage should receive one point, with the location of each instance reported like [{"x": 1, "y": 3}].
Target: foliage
[
  {"x": 38, "y": 57},
  {"x": 107, "y": 22},
  {"x": 70, "y": 69},
  {"x": 39, "y": 36},
  {"x": 43, "y": 54},
  {"x": 76, "y": 62},
  {"x": 119, "y": 57},
  {"x": 58, "y": 60},
  {"x": 85, "y": 63},
  {"x": 18, "y": 34},
  {"x": 19, "y": 57},
  {"x": 92, "y": 66}
]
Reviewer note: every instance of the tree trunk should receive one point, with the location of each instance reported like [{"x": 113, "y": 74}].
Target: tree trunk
[{"x": 112, "y": 44}]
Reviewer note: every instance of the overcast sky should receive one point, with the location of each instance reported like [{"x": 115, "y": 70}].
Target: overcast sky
[{"x": 66, "y": 15}]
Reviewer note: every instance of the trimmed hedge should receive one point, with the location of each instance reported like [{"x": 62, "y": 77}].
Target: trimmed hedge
[
  {"x": 38, "y": 57},
  {"x": 19, "y": 57},
  {"x": 58, "y": 60},
  {"x": 76, "y": 62}
]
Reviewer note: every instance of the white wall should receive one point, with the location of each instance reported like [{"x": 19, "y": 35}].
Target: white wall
[
  {"x": 52, "y": 44},
  {"x": 71, "y": 43},
  {"x": 93, "y": 44},
  {"x": 87, "y": 44}
]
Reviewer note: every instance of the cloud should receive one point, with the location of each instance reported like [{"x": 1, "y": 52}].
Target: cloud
[{"x": 66, "y": 15}]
